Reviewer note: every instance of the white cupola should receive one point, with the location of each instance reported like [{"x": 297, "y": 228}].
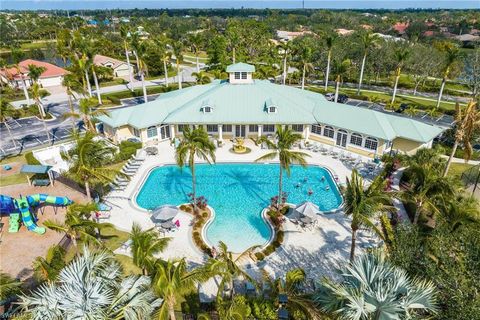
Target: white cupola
[{"x": 240, "y": 73}]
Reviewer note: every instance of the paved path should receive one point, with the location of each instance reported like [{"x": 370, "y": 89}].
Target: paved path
[{"x": 401, "y": 211}]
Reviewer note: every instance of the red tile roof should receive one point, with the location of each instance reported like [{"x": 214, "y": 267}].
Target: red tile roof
[
  {"x": 400, "y": 27},
  {"x": 51, "y": 70}
]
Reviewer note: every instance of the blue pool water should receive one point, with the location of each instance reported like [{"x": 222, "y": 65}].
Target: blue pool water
[{"x": 238, "y": 193}]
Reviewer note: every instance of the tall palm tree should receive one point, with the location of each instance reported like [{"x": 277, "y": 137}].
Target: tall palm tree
[
  {"x": 145, "y": 245},
  {"x": 178, "y": 52},
  {"x": 401, "y": 55},
  {"x": 368, "y": 40},
  {"x": 84, "y": 65},
  {"x": 78, "y": 224},
  {"x": 285, "y": 139},
  {"x": 329, "y": 42},
  {"x": 125, "y": 34},
  {"x": 340, "y": 69},
  {"x": 225, "y": 266},
  {"x": 90, "y": 50},
  {"x": 140, "y": 53},
  {"x": 195, "y": 41},
  {"x": 304, "y": 53},
  {"x": 37, "y": 96},
  {"x": 7, "y": 111},
  {"x": 9, "y": 286},
  {"x": 466, "y": 123},
  {"x": 87, "y": 110},
  {"x": 195, "y": 143},
  {"x": 286, "y": 48},
  {"x": 363, "y": 203},
  {"x": 452, "y": 56},
  {"x": 92, "y": 287},
  {"x": 34, "y": 72},
  {"x": 291, "y": 287},
  {"x": 71, "y": 83},
  {"x": 89, "y": 159},
  {"x": 24, "y": 83},
  {"x": 201, "y": 77},
  {"x": 171, "y": 281},
  {"x": 165, "y": 54},
  {"x": 372, "y": 288}
]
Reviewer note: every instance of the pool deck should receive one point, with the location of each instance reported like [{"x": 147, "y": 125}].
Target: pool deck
[{"x": 316, "y": 250}]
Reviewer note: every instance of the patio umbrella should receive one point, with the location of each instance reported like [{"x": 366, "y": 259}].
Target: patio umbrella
[
  {"x": 308, "y": 209},
  {"x": 164, "y": 213}
]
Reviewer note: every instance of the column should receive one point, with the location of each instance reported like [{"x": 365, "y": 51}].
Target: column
[
  {"x": 306, "y": 132},
  {"x": 259, "y": 130},
  {"x": 220, "y": 132},
  {"x": 172, "y": 131}
]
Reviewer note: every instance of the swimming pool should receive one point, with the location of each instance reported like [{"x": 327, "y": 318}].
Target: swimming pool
[{"x": 238, "y": 192}]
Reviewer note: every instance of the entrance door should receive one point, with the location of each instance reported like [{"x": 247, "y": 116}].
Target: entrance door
[
  {"x": 240, "y": 131},
  {"x": 341, "y": 138},
  {"x": 164, "y": 132}
]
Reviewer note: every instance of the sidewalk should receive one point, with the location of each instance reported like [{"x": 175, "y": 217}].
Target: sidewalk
[{"x": 401, "y": 211}]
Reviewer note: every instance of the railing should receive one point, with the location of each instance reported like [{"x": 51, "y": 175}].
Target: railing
[{"x": 471, "y": 176}]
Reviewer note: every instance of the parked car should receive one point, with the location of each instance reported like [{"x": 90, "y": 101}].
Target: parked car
[
  {"x": 402, "y": 108},
  {"x": 342, "y": 98},
  {"x": 330, "y": 96}
]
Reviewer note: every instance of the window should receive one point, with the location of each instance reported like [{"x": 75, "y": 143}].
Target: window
[
  {"x": 152, "y": 132},
  {"x": 244, "y": 76},
  {"x": 328, "y": 132},
  {"x": 371, "y": 143},
  {"x": 207, "y": 109},
  {"x": 237, "y": 75},
  {"x": 272, "y": 109},
  {"x": 182, "y": 127},
  {"x": 212, "y": 128},
  {"x": 356, "y": 139},
  {"x": 316, "y": 129},
  {"x": 297, "y": 127},
  {"x": 268, "y": 128},
  {"x": 227, "y": 128},
  {"x": 136, "y": 132},
  {"x": 253, "y": 128}
]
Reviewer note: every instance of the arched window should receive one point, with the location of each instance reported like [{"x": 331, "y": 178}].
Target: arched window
[
  {"x": 371, "y": 143},
  {"x": 317, "y": 129},
  {"x": 152, "y": 132},
  {"x": 328, "y": 132},
  {"x": 356, "y": 139}
]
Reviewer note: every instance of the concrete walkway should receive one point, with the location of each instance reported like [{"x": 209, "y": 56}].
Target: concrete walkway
[{"x": 401, "y": 211}]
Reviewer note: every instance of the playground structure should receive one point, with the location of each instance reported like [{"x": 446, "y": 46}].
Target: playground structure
[{"x": 22, "y": 208}]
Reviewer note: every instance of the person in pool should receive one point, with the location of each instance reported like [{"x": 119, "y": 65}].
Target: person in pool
[
  {"x": 327, "y": 188},
  {"x": 310, "y": 192},
  {"x": 322, "y": 178}
]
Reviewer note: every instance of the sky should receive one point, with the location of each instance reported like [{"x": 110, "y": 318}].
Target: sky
[{"x": 259, "y": 4}]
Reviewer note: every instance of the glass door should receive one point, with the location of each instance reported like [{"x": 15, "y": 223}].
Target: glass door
[
  {"x": 240, "y": 131},
  {"x": 164, "y": 132},
  {"x": 341, "y": 138}
]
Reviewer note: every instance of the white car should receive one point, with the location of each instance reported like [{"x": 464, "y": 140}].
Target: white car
[{"x": 330, "y": 96}]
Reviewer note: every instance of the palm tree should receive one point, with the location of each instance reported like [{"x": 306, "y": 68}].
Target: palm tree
[
  {"x": 125, "y": 34},
  {"x": 172, "y": 280},
  {"x": 89, "y": 159},
  {"x": 24, "y": 83},
  {"x": 340, "y": 68},
  {"x": 9, "y": 286},
  {"x": 177, "y": 51},
  {"x": 145, "y": 245},
  {"x": 225, "y": 266},
  {"x": 461, "y": 211},
  {"x": 140, "y": 53},
  {"x": 37, "y": 97},
  {"x": 7, "y": 111},
  {"x": 90, "y": 51},
  {"x": 285, "y": 139},
  {"x": 286, "y": 48},
  {"x": 304, "y": 53},
  {"x": 87, "y": 110},
  {"x": 92, "y": 287},
  {"x": 83, "y": 66},
  {"x": 363, "y": 203},
  {"x": 427, "y": 189},
  {"x": 466, "y": 123},
  {"x": 368, "y": 40},
  {"x": 195, "y": 143},
  {"x": 35, "y": 72},
  {"x": 201, "y": 77},
  {"x": 372, "y": 288},
  {"x": 48, "y": 268},
  {"x": 71, "y": 83},
  {"x": 78, "y": 224},
  {"x": 401, "y": 55},
  {"x": 452, "y": 56},
  {"x": 291, "y": 287},
  {"x": 195, "y": 41},
  {"x": 161, "y": 43},
  {"x": 329, "y": 42}
]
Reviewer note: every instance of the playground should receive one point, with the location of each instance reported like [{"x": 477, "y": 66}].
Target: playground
[{"x": 19, "y": 249}]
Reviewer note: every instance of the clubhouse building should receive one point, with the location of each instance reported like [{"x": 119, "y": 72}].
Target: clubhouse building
[{"x": 245, "y": 107}]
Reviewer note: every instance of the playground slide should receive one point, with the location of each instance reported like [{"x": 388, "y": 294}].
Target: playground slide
[
  {"x": 27, "y": 217},
  {"x": 36, "y": 199}
]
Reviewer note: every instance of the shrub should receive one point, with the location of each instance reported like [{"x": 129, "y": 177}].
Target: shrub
[
  {"x": 127, "y": 149},
  {"x": 204, "y": 214},
  {"x": 188, "y": 209},
  {"x": 183, "y": 207},
  {"x": 260, "y": 256},
  {"x": 196, "y": 234},
  {"x": 31, "y": 159},
  {"x": 280, "y": 235}
]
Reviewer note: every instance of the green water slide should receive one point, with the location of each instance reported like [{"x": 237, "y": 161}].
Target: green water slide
[
  {"x": 27, "y": 216},
  {"x": 14, "y": 222}
]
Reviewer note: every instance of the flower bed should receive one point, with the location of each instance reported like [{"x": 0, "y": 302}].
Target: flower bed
[
  {"x": 199, "y": 221},
  {"x": 276, "y": 220}
]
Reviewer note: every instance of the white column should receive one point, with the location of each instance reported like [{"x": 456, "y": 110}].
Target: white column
[
  {"x": 306, "y": 132},
  {"x": 172, "y": 131},
  {"x": 220, "y": 133},
  {"x": 259, "y": 130}
]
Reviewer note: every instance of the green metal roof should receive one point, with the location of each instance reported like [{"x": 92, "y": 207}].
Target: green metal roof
[
  {"x": 247, "y": 104},
  {"x": 241, "y": 67},
  {"x": 33, "y": 168}
]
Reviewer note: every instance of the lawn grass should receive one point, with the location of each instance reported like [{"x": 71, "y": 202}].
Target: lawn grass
[
  {"x": 113, "y": 82},
  {"x": 12, "y": 179},
  {"x": 127, "y": 265},
  {"x": 457, "y": 168}
]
